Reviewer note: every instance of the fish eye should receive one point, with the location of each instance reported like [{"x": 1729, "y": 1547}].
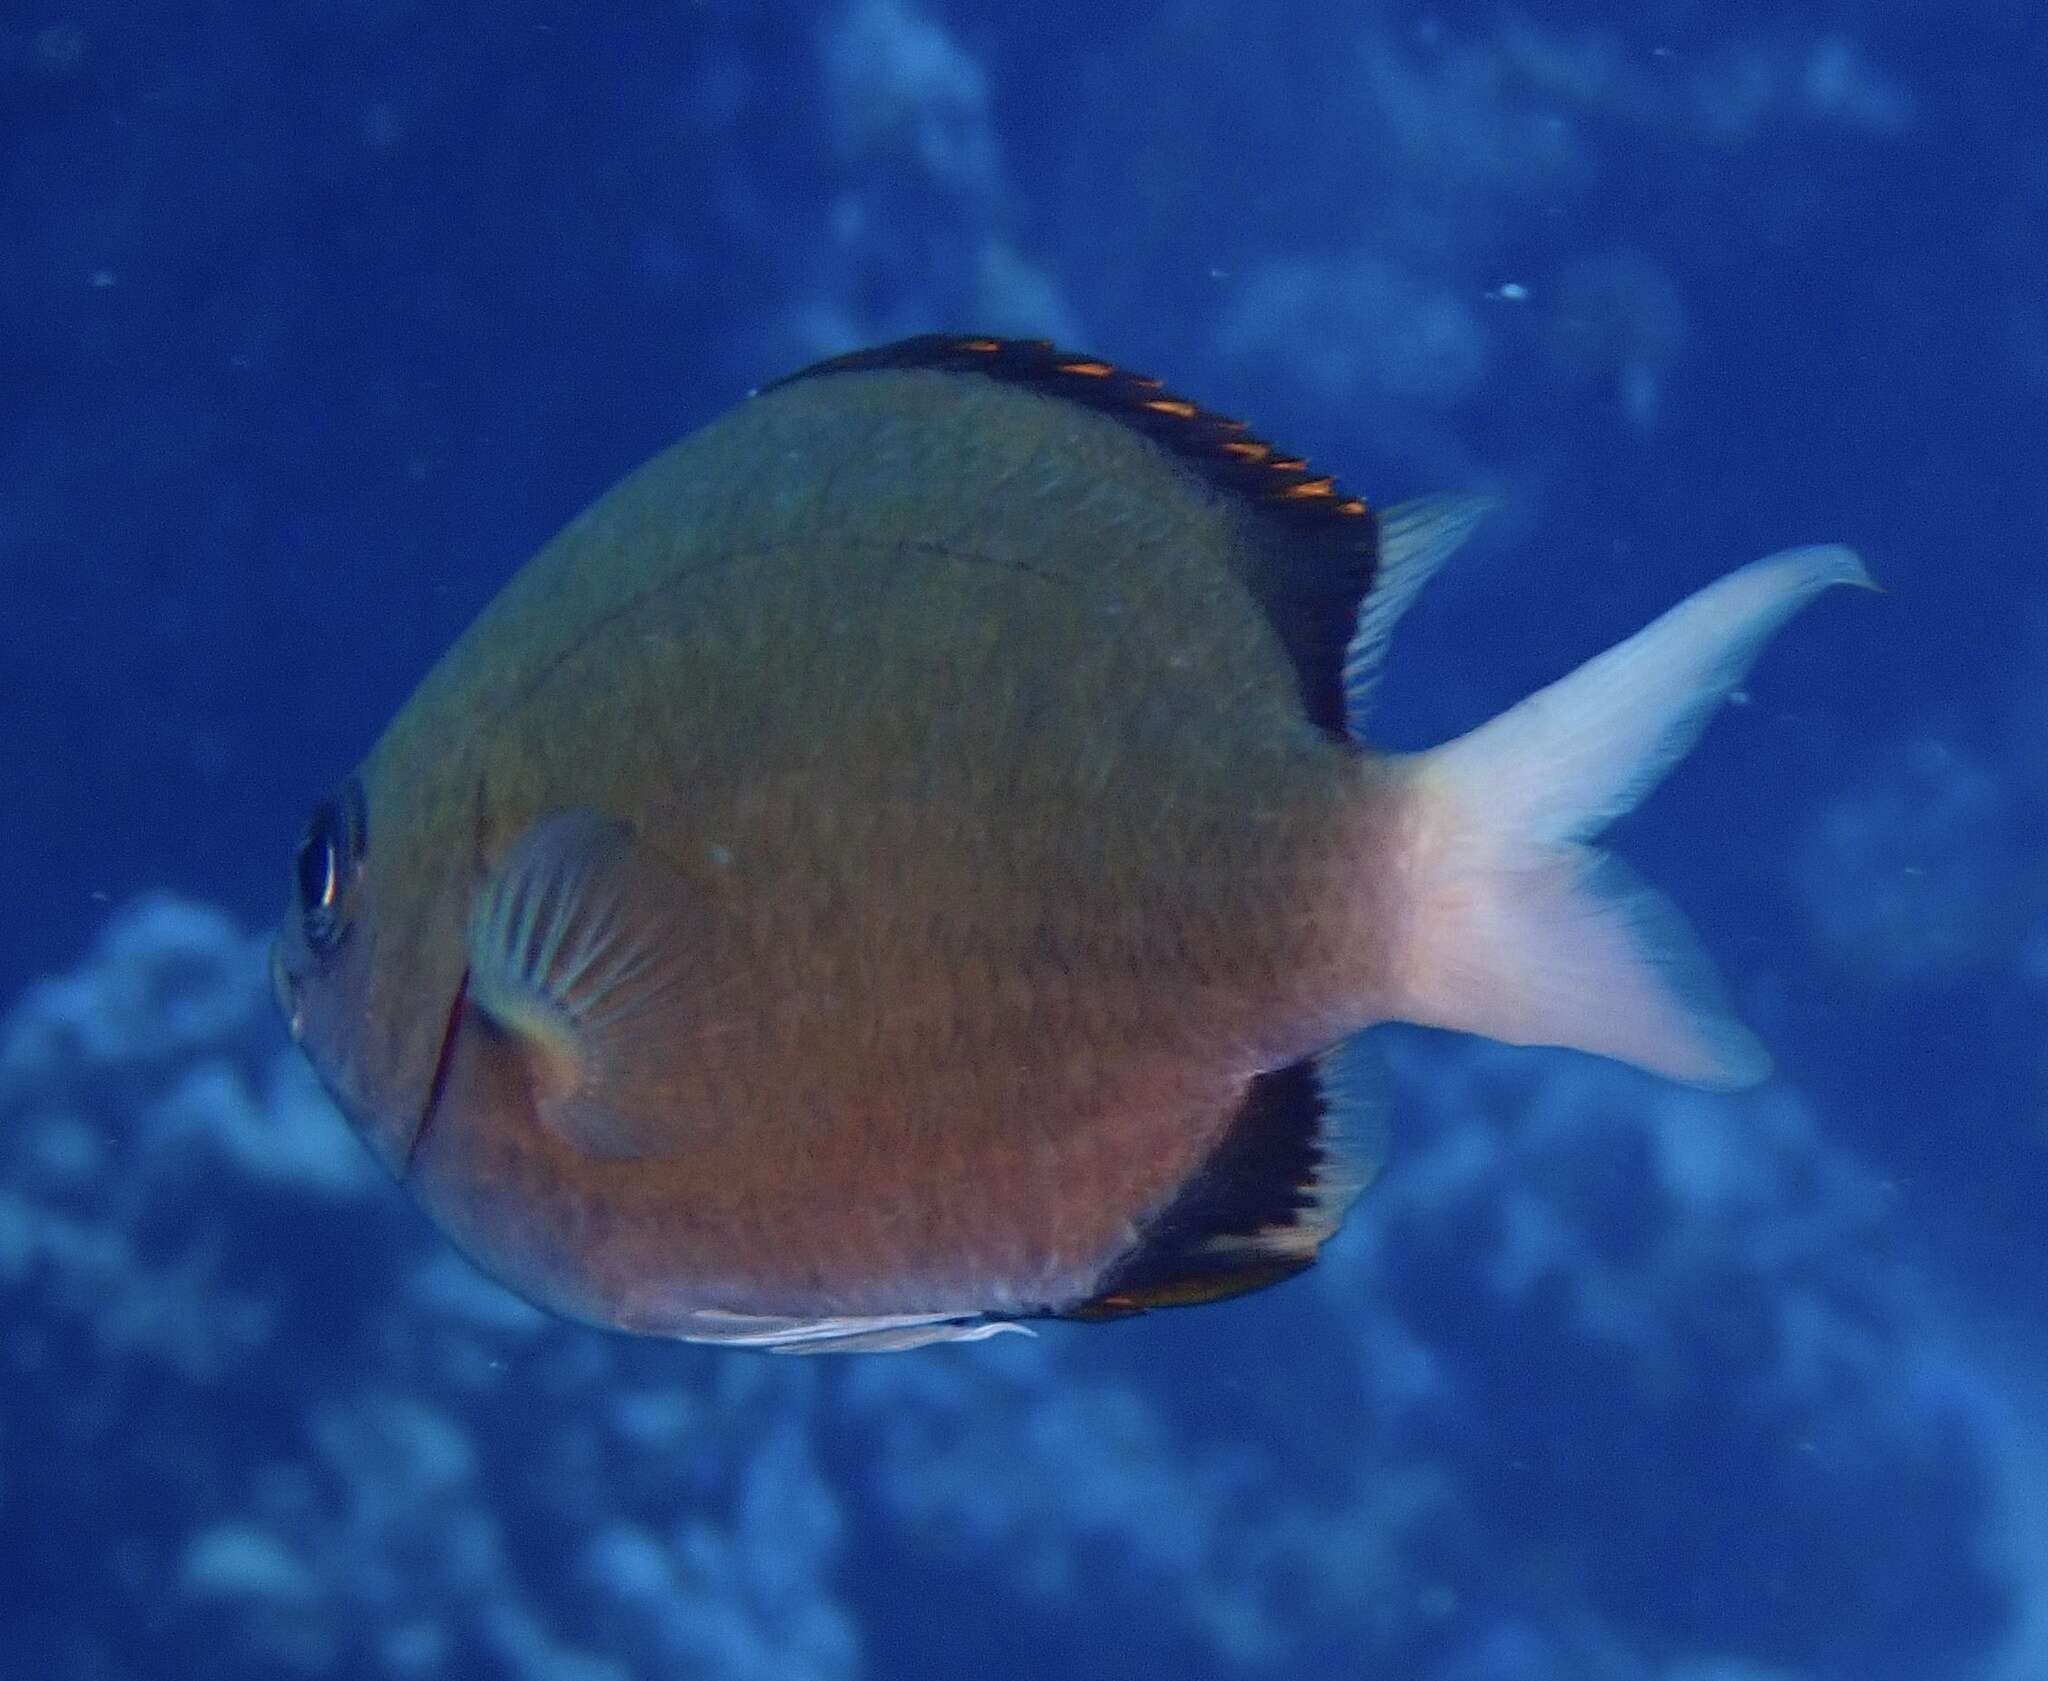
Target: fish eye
[{"x": 329, "y": 857}]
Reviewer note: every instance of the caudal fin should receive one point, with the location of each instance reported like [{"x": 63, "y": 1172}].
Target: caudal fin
[{"x": 1513, "y": 926}]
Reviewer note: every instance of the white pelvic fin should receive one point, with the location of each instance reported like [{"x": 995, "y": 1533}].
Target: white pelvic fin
[
  {"x": 886, "y": 1334},
  {"x": 1415, "y": 539},
  {"x": 1517, "y": 929}
]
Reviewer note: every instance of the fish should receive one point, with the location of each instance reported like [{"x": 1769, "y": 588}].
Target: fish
[{"x": 907, "y": 862}]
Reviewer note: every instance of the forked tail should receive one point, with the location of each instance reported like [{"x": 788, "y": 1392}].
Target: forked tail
[{"x": 1512, "y": 925}]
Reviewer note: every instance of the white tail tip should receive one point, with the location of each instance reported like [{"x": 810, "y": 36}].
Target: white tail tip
[{"x": 1513, "y": 927}]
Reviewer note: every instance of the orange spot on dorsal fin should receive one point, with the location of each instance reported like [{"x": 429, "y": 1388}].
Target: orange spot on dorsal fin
[{"x": 1220, "y": 448}]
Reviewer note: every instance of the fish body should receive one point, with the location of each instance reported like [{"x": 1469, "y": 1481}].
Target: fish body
[{"x": 904, "y": 861}]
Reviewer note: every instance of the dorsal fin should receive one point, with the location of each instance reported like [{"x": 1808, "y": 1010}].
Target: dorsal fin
[
  {"x": 1223, "y": 450},
  {"x": 1318, "y": 546},
  {"x": 1306, "y": 1140}
]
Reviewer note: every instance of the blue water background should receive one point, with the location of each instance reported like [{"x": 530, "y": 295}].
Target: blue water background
[{"x": 316, "y": 319}]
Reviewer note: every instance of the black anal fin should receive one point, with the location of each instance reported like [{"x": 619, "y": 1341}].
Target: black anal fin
[{"x": 1304, "y": 1143}]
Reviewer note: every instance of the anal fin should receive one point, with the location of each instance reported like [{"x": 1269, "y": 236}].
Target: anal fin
[{"x": 1305, "y": 1141}]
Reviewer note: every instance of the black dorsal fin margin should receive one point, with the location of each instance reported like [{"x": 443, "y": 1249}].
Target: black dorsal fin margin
[
  {"x": 1324, "y": 543},
  {"x": 1223, "y": 449}
]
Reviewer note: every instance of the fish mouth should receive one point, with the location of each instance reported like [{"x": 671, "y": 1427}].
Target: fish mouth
[
  {"x": 443, "y": 1061},
  {"x": 284, "y": 989}
]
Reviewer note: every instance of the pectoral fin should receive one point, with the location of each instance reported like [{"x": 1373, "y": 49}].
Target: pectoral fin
[{"x": 576, "y": 950}]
